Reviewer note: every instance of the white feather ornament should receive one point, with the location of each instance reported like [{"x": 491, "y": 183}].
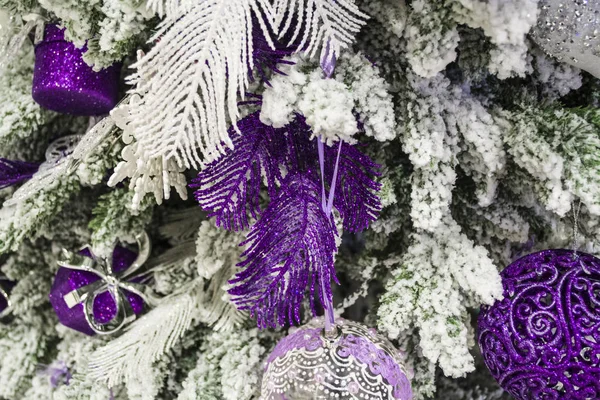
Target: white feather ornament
[
  {"x": 332, "y": 23},
  {"x": 189, "y": 82},
  {"x": 134, "y": 353}
]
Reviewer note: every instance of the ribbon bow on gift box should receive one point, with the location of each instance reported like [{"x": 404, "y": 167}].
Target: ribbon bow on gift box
[{"x": 120, "y": 283}]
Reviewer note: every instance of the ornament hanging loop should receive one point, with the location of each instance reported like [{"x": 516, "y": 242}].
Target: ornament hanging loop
[{"x": 328, "y": 61}]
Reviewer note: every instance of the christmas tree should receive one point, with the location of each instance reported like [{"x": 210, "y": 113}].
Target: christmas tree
[{"x": 185, "y": 181}]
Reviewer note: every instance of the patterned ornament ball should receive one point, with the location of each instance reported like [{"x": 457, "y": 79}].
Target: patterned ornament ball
[
  {"x": 352, "y": 362},
  {"x": 570, "y": 31},
  {"x": 542, "y": 341},
  {"x": 63, "y": 82}
]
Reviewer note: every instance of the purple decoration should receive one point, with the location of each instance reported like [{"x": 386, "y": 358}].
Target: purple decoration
[
  {"x": 266, "y": 58},
  {"x": 57, "y": 373},
  {"x": 230, "y": 187},
  {"x": 14, "y": 172},
  {"x": 63, "y": 82},
  {"x": 542, "y": 341},
  {"x": 295, "y": 221},
  {"x": 350, "y": 361},
  {"x": 356, "y": 192},
  {"x": 104, "y": 308},
  {"x": 290, "y": 248}
]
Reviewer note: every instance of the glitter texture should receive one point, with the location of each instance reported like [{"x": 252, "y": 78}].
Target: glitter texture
[
  {"x": 354, "y": 363},
  {"x": 542, "y": 341},
  {"x": 568, "y": 30},
  {"x": 104, "y": 305},
  {"x": 63, "y": 82}
]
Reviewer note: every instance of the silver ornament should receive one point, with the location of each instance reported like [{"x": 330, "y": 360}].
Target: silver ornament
[
  {"x": 568, "y": 30},
  {"x": 351, "y": 362}
]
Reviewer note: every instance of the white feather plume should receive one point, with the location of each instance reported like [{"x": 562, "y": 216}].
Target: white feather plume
[
  {"x": 218, "y": 310},
  {"x": 319, "y": 23},
  {"x": 189, "y": 82},
  {"x": 145, "y": 341}
]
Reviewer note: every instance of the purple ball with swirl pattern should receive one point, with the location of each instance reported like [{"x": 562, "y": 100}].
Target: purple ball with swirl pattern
[
  {"x": 354, "y": 363},
  {"x": 542, "y": 341},
  {"x": 63, "y": 82}
]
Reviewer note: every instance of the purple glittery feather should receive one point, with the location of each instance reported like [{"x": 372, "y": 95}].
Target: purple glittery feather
[
  {"x": 356, "y": 192},
  {"x": 14, "y": 172},
  {"x": 229, "y": 187},
  {"x": 289, "y": 249}
]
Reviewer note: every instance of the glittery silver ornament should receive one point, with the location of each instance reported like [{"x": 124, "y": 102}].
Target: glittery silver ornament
[
  {"x": 351, "y": 362},
  {"x": 569, "y": 30}
]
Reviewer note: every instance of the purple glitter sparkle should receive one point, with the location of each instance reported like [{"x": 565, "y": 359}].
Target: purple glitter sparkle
[
  {"x": 63, "y": 82},
  {"x": 105, "y": 308},
  {"x": 542, "y": 341}
]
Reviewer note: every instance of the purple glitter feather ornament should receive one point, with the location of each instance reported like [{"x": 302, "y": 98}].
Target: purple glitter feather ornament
[
  {"x": 229, "y": 188},
  {"x": 63, "y": 82},
  {"x": 542, "y": 341},
  {"x": 290, "y": 248},
  {"x": 13, "y": 172},
  {"x": 356, "y": 196},
  {"x": 351, "y": 362},
  {"x": 91, "y": 297}
]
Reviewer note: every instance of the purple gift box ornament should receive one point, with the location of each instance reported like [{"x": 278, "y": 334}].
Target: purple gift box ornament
[
  {"x": 63, "y": 82},
  {"x": 100, "y": 295}
]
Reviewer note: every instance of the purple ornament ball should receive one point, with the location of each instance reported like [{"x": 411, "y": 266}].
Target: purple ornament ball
[
  {"x": 105, "y": 308},
  {"x": 63, "y": 82},
  {"x": 542, "y": 341}
]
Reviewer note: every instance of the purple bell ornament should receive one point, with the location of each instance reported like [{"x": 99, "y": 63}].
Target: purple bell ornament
[
  {"x": 96, "y": 295},
  {"x": 63, "y": 82}
]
